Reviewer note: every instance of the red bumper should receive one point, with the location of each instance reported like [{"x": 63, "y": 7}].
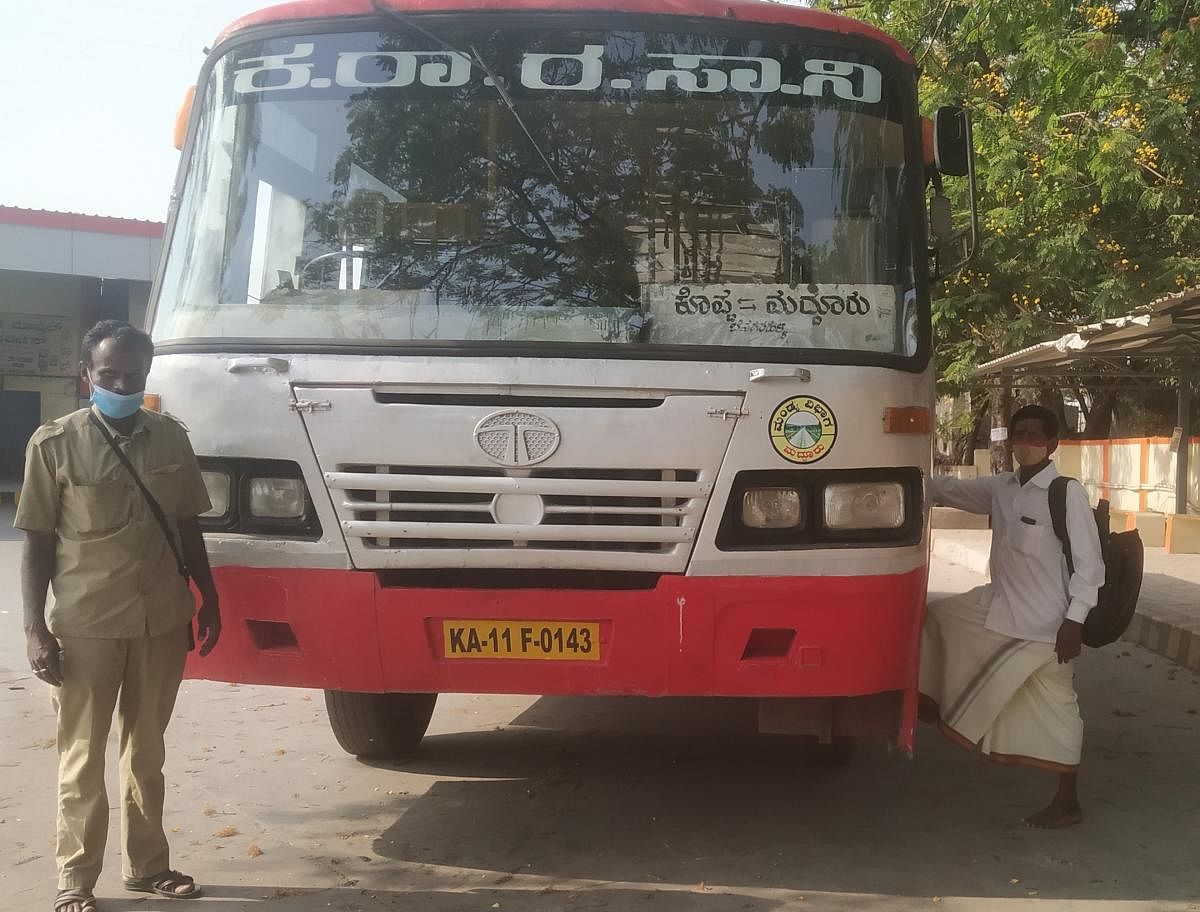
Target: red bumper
[{"x": 688, "y": 636}]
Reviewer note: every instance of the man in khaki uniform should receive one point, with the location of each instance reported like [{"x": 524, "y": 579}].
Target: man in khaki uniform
[{"x": 119, "y": 626}]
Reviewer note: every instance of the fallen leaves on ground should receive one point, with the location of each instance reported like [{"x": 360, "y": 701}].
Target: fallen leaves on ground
[
  {"x": 253, "y": 851},
  {"x": 225, "y": 832},
  {"x": 209, "y": 811}
]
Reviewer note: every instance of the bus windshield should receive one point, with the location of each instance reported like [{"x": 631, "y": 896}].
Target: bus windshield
[{"x": 631, "y": 188}]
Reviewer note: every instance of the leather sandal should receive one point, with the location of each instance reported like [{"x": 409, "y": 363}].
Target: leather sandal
[
  {"x": 166, "y": 884},
  {"x": 81, "y": 898}
]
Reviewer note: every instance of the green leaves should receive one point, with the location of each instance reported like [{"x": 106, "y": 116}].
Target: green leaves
[{"x": 1087, "y": 122}]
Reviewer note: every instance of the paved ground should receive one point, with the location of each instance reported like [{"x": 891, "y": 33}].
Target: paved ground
[{"x": 518, "y": 803}]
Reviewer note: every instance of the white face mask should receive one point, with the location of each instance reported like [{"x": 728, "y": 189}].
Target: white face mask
[{"x": 1029, "y": 455}]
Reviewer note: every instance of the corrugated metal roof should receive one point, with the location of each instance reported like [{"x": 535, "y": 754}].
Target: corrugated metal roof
[
  {"x": 1167, "y": 328},
  {"x": 78, "y": 221}
]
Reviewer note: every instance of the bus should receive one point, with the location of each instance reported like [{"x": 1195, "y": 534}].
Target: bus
[{"x": 544, "y": 350}]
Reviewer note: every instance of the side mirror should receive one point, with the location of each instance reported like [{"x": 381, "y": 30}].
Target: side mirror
[
  {"x": 952, "y": 155},
  {"x": 941, "y": 218},
  {"x": 952, "y": 141}
]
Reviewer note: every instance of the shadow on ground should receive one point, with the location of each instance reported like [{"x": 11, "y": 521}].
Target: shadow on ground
[{"x": 644, "y": 791}]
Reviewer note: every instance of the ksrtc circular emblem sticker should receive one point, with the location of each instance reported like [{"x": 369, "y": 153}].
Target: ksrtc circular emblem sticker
[{"x": 803, "y": 429}]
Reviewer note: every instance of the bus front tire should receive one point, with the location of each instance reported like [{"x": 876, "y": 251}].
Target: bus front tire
[{"x": 379, "y": 726}]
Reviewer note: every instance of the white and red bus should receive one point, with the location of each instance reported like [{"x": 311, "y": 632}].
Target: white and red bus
[{"x": 558, "y": 351}]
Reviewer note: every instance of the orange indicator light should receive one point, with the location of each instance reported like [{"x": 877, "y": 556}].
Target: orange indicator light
[
  {"x": 181, "y": 118},
  {"x": 910, "y": 419}
]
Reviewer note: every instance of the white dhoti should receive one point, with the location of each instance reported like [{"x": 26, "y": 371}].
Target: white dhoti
[{"x": 1009, "y": 698}]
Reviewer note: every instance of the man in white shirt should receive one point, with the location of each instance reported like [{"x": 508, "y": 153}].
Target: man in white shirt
[{"x": 997, "y": 670}]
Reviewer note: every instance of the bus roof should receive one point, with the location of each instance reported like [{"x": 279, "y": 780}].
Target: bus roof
[{"x": 762, "y": 11}]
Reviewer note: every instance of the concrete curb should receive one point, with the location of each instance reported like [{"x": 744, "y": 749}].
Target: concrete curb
[
  {"x": 1166, "y": 638},
  {"x": 1170, "y": 637}
]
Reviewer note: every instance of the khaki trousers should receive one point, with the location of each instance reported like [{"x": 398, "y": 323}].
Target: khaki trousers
[{"x": 140, "y": 678}]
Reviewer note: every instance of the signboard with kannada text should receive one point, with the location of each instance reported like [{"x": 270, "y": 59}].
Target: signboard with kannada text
[
  {"x": 39, "y": 345},
  {"x": 827, "y": 316}
]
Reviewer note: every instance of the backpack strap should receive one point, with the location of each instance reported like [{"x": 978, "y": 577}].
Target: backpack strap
[{"x": 1058, "y": 516}]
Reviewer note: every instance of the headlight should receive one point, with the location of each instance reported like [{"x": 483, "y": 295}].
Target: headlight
[
  {"x": 219, "y": 484},
  {"x": 864, "y": 505},
  {"x": 771, "y": 508},
  {"x": 277, "y": 498}
]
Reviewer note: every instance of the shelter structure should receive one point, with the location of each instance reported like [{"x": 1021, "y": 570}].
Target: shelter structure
[
  {"x": 60, "y": 272},
  {"x": 1157, "y": 343}
]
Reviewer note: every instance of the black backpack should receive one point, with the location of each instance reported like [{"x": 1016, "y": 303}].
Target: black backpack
[{"x": 1124, "y": 556}]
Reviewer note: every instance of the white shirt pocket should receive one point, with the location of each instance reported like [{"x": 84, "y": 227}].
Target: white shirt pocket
[{"x": 1033, "y": 540}]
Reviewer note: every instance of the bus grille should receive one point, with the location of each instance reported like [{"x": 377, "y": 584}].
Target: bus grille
[{"x": 631, "y": 511}]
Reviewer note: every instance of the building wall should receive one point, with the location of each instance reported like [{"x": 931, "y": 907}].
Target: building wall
[
  {"x": 41, "y": 319},
  {"x": 66, "y": 252},
  {"x": 1135, "y": 474},
  {"x": 60, "y": 273}
]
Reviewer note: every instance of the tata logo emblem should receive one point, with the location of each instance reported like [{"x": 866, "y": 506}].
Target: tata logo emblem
[{"x": 515, "y": 438}]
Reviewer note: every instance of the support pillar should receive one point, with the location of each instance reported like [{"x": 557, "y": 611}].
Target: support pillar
[
  {"x": 1001, "y": 406},
  {"x": 1183, "y": 420}
]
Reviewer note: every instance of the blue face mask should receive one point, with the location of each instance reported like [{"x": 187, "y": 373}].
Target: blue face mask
[{"x": 115, "y": 405}]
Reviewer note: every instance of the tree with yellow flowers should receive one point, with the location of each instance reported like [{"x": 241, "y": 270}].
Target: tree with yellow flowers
[{"x": 1087, "y": 136}]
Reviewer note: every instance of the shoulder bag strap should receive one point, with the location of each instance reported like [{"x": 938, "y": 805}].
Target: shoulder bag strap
[
  {"x": 155, "y": 509},
  {"x": 1058, "y": 516}
]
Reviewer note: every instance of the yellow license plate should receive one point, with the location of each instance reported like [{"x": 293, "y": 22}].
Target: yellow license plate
[{"x": 521, "y": 640}]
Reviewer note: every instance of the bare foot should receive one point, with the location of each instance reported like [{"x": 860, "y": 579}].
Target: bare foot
[{"x": 1056, "y": 816}]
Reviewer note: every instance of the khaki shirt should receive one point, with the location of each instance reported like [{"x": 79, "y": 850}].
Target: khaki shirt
[{"x": 114, "y": 574}]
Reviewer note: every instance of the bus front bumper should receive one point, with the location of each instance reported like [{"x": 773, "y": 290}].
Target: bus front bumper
[{"x": 767, "y": 637}]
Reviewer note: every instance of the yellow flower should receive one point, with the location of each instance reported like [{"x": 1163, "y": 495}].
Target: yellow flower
[
  {"x": 1101, "y": 18},
  {"x": 1147, "y": 155},
  {"x": 1095, "y": 209}
]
